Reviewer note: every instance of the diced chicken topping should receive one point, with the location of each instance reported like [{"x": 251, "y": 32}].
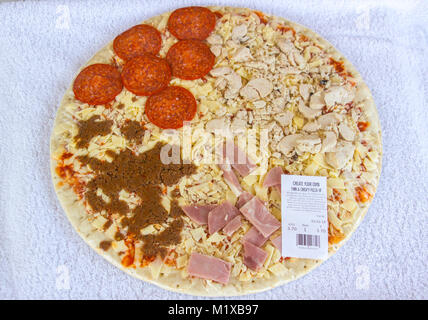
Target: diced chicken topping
[
  {"x": 242, "y": 54},
  {"x": 260, "y": 217},
  {"x": 343, "y": 154},
  {"x": 288, "y": 143},
  {"x": 329, "y": 141},
  {"x": 239, "y": 32},
  {"x": 221, "y": 71},
  {"x": 308, "y": 143},
  {"x": 234, "y": 83},
  {"x": 214, "y": 39},
  {"x": 217, "y": 125},
  {"x": 317, "y": 101},
  {"x": 216, "y": 50},
  {"x": 338, "y": 95},
  {"x": 256, "y": 88},
  {"x": 209, "y": 268}
]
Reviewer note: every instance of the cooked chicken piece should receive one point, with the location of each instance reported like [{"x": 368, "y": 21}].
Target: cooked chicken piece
[
  {"x": 338, "y": 95},
  {"x": 317, "y": 101},
  {"x": 239, "y": 32},
  {"x": 214, "y": 39},
  {"x": 256, "y": 88},
  {"x": 288, "y": 143},
  {"x": 308, "y": 143},
  {"x": 220, "y": 71},
  {"x": 341, "y": 156},
  {"x": 242, "y": 54},
  {"x": 329, "y": 141},
  {"x": 216, "y": 50}
]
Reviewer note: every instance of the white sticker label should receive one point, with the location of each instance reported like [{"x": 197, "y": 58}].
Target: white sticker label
[{"x": 304, "y": 217}]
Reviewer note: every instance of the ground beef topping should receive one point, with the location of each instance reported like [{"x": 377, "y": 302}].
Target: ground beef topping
[
  {"x": 175, "y": 210},
  {"x": 156, "y": 244},
  {"x": 133, "y": 131},
  {"x": 105, "y": 245},
  {"x": 91, "y": 128},
  {"x": 145, "y": 176}
]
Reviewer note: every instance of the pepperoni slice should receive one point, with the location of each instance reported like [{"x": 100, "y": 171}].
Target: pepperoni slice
[
  {"x": 136, "y": 41},
  {"x": 146, "y": 75},
  {"x": 170, "y": 107},
  {"x": 191, "y": 23},
  {"x": 97, "y": 84},
  {"x": 190, "y": 59}
]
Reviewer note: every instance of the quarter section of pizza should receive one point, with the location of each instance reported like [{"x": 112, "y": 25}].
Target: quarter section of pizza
[{"x": 168, "y": 148}]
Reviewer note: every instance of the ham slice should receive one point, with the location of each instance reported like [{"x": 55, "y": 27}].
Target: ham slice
[
  {"x": 231, "y": 179},
  {"x": 260, "y": 217},
  {"x": 210, "y": 268},
  {"x": 238, "y": 159},
  {"x": 220, "y": 216},
  {"x": 232, "y": 226},
  {"x": 198, "y": 213},
  {"x": 254, "y": 257},
  {"x": 273, "y": 178},
  {"x": 243, "y": 199},
  {"x": 254, "y": 237},
  {"x": 277, "y": 242}
]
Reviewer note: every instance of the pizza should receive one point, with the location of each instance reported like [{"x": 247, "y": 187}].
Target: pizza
[{"x": 168, "y": 148}]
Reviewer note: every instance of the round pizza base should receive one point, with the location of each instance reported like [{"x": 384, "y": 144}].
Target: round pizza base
[{"x": 77, "y": 214}]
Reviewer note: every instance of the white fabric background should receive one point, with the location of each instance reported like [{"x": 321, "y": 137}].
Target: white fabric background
[{"x": 40, "y": 51}]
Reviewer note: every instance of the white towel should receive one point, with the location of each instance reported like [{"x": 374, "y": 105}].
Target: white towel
[{"x": 42, "y": 45}]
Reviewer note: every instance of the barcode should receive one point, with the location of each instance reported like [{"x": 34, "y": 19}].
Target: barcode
[{"x": 308, "y": 240}]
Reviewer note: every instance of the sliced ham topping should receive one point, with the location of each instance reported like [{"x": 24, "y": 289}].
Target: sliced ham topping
[
  {"x": 232, "y": 226},
  {"x": 231, "y": 179},
  {"x": 254, "y": 257},
  {"x": 273, "y": 177},
  {"x": 210, "y": 268},
  {"x": 277, "y": 242},
  {"x": 260, "y": 217},
  {"x": 198, "y": 212},
  {"x": 238, "y": 159},
  {"x": 254, "y": 237},
  {"x": 243, "y": 199},
  {"x": 220, "y": 216}
]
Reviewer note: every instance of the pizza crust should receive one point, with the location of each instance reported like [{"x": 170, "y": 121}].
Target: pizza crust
[{"x": 157, "y": 272}]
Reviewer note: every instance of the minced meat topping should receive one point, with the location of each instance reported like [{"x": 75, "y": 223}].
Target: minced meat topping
[
  {"x": 91, "y": 128},
  {"x": 143, "y": 175}
]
